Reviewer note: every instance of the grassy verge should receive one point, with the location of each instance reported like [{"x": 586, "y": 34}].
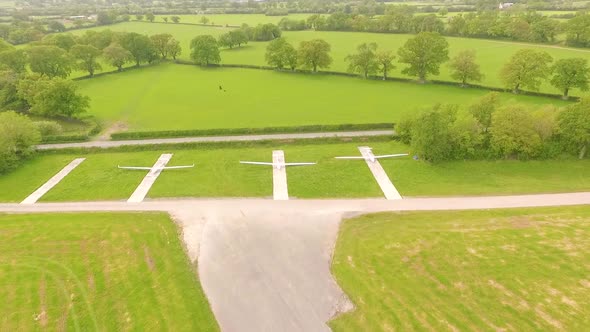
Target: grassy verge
[
  {"x": 21, "y": 182},
  {"x": 521, "y": 270},
  {"x": 98, "y": 271},
  {"x": 218, "y": 174}
]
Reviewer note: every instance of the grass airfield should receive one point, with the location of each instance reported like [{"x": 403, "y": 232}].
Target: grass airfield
[
  {"x": 218, "y": 174},
  {"x": 176, "y": 97},
  {"x": 518, "y": 269},
  {"x": 98, "y": 271}
]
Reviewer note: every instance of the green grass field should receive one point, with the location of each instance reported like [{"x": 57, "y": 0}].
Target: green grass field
[
  {"x": 233, "y": 19},
  {"x": 491, "y": 54},
  {"x": 97, "y": 272},
  {"x": 188, "y": 97},
  {"x": 21, "y": 182},
  {"x": 218, "y": 174},
  {"x": 496, "y": 270}
]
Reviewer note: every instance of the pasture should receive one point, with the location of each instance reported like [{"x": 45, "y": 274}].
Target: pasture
[
  {"x": 218, "y": 174},
  {"x": 234, "y": 19},
  {"x": 98, "y": 271},
  {"x": 173, "y": 97},
  {"x": 515, "y": 270},
  {"x": 491, "y": 54}
]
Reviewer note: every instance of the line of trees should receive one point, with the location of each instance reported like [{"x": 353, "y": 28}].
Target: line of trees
[
  {"x": 58, "y": 54},
  {"x": 489, "y": 130},
  {"x": 34, "y": 79},
  {"x": 150, "y": 17},
  {"x": 527, "y": 26},
  {"x": 313, "y": 54},
  {"x": 423, "y": 56}
]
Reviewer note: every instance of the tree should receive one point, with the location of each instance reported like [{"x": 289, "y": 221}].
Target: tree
[
  {"x": 443, "y": 11},
  {"x": 204, "y": 20},
  {"x": 513, "y": 133},
  {"x": 50, "y": 61},
  {"x": 160, "y": 42},
  {"x": 226, "y": 40},
  {"x": 266, "y": 32},
  {"x": 18, "y": 137},
  {"x": 104, "y": 18},
  {"x": 100, "y": 39},
  {"x": 165, "y": 19},
  {"x": 578, "y": 30},
  {"x": 53, "y": 97},
  {"x": 526, "y": 68},
  {"x": 150, "y": 17},
  {"x": 205, "y": 50},
  {"x": 464, "y": 67},
  {"x": 314, "y": 54},
  {"x": 239, "y": 37},
  {"x": 424, "y": 54},
  {"x": 570, "y": 73},
  {"x": 117, "y": 56},
  {"x": 364, "y": 61},
  {"x": 175, "y": 19},
  {"x": 280, "y": 54},
  {"x": 174, "y": 48},
  {"x": 574, "y": 127},
  {"x": 316, "y": 22},
  {"x": 431, "y": 135},
  {"x": 139, "y": 17},
  {"x": 64, "y": 41},
  {"x": 9, "y": 96},
  {"x": 87, "y": 56},
  {"x": 14, "y": 60},
  {"x": 385, "y": 61},
  {"x": 56, "y": 26},
  {"x": 140, "y": 46},
  {"x": 484, "y": 109}
]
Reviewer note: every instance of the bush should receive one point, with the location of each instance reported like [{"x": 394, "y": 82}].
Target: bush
[
  {"x": 48, "y": 128},
  {"x": 445, "y": 132},
  {"x": 65, "y": 138},
  {"x": 514, "y": 133},
  {"x": 18, "y": 137}
]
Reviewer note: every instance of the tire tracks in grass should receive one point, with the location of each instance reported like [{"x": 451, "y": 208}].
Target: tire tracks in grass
[{"x": 131, "y": 106}]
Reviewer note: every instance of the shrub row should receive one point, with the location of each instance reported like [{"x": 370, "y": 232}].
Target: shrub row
[
  {"x": 70, "y": 138},
  {"x": 250, "y": 131},
  {"x": 223, "y": 145}
]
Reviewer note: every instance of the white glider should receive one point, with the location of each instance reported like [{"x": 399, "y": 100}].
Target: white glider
[
  {"x": 374, "y": 158},
  {"x": 275, "y": 165},
  {"x": 155, "y": 168}
]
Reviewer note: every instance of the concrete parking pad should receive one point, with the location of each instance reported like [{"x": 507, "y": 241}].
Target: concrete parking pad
[
  {"x": 37, "y": 194},
  {"x": 148, "y": 181},
  {"x": 280, "y": 191},
  {"x": 389, "y": 190}
]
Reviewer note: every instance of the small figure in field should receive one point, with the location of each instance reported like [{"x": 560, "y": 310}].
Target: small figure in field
[{"x": 220, "y": 88}]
